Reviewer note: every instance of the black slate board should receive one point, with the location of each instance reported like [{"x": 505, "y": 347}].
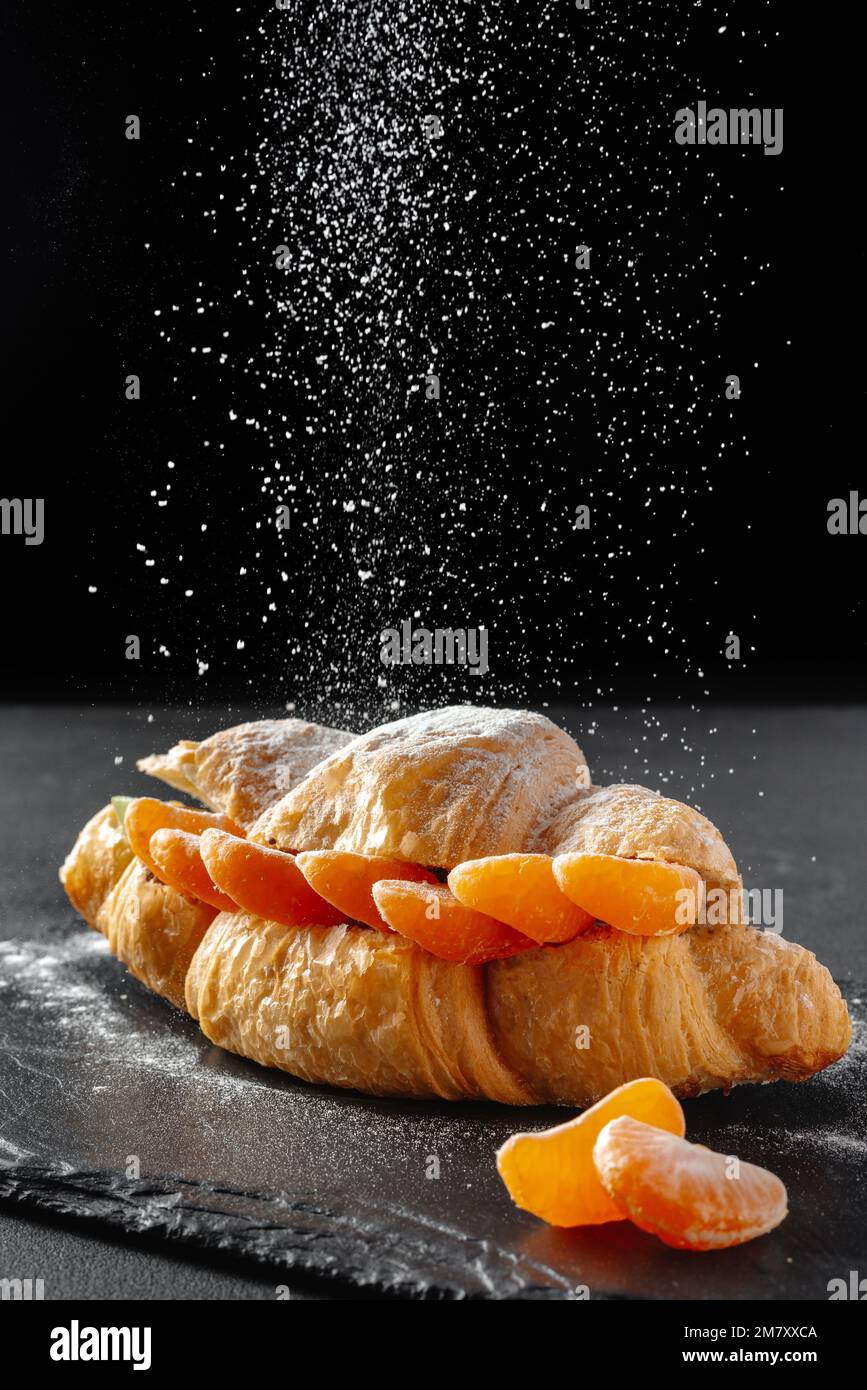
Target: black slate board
[
  {"x": 245, "y": 1162},
  {"x": 236, "y": 1159}
]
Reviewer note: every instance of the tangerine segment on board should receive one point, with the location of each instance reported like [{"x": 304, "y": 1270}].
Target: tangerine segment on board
[
  {"x": 178, "y": 862},
  {"x": 552, "y": 1173},
  {"x": 145, "y": 815},
  {"x": 521, "y": 890},
  {"x": 689, "y": 1196},
  {"x": 430, "y": 915},
  {"x": 265, "y": 881},
  {"x": 347, "y": 880},
  {"x": 646, "y": 897}
]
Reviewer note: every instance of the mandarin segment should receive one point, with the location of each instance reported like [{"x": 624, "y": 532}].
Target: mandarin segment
[
  {"x": 347, "y": 880},
  {"x": 645, "y": 897},
  {"x": 145, "y": 815},
  {"x": 178, "y": 862},
  {"x": 520, "y": 890},
  {"x": 430, "y": 915},
  {"x": 266, "y": 882},
  {"x": 687, "y": 1195},
  {"x": 552, "y": 1173}
]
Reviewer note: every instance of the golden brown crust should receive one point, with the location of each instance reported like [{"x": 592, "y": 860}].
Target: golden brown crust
[
  {"x": 635, "y": 823},
  {"x": 241, "y": 771},
  {"x": 95, "y": 863},
  {"x": 154, "y": 930},
  {"x": 711, "y": 1008},
  {"x": 350, "y": 1007},
  {"x": 775, "y": 997},
  {"x": 559, "y": 1025},
  {"x": 437, "y": 788}
]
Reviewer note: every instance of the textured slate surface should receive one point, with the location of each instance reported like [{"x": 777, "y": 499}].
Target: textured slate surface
[{"x": 239, "y": 1163}]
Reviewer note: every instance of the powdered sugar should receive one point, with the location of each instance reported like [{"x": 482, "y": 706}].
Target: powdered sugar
[{"x": 93, "y": 1014}]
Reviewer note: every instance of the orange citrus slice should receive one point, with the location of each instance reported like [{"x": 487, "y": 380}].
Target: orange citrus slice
[
  {"x": 521, "y": 890},
  {"x": 430, "y": 915},
  {"x": 178, "y": 862},
  {"x": 552, "y": 1173},
  {"x": 265, "y": 881},
  {"x": 645, "y": 897},
  {"x": 347, "y": 880},
  {"x": 145, "y": 815},
  {"x": 687, "y": 1195}
]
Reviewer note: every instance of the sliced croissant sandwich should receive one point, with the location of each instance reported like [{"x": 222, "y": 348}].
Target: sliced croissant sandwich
[{"x": 446, "y": 907}]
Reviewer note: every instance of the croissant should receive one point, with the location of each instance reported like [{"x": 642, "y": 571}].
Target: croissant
[
  {"x": 348, "y": 1006},
  {"x": 242, "y": 770}
]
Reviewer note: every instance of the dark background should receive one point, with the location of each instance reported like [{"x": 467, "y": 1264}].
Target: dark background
[{"x": 562, "y": 123}]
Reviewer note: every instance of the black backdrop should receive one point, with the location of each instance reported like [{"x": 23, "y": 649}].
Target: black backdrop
[{"x": 707, "y": 515}]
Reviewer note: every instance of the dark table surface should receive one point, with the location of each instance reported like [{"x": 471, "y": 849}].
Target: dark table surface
[{"x": 247, "y": 1172}]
